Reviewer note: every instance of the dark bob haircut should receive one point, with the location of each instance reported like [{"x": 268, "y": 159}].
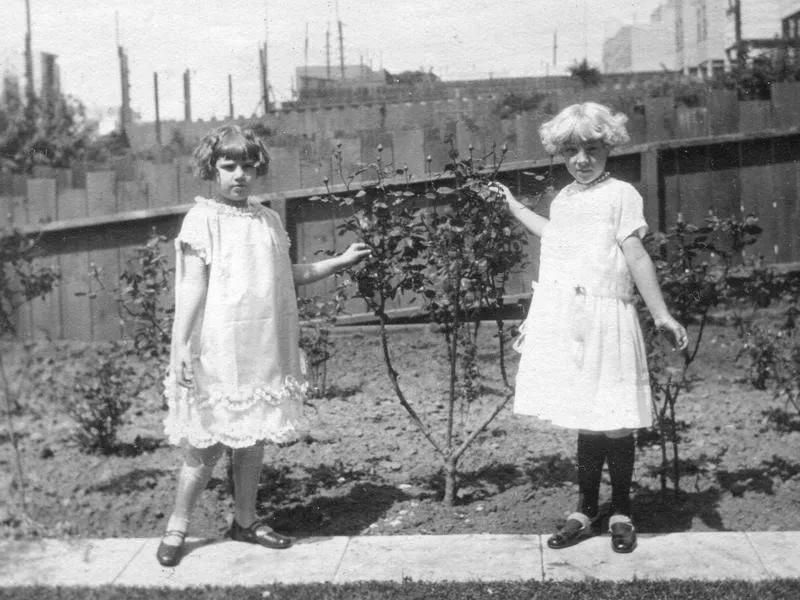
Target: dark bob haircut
[{"x": 231, "y": 142}]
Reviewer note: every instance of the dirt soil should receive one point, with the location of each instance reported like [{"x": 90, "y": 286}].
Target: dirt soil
[{"x": 365, "y": 469}]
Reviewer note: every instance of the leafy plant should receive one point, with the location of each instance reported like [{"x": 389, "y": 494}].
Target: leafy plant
[
  {"x": 771, "y": 353},
  {"x": 588, "y": 75},
  {"x": 38, "y": 133},
  {"x": 317, "y": 316},
  {"x": 452, "y": 246},
  {"x": 100, "y": 395},
  {"x": 693, "y": 264},
  {"x": 21, "y": 280},
  {"x": 142, "y": 301}
]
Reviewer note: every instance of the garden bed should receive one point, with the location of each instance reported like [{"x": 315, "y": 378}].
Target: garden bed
[{"x": 364, "y": 468}]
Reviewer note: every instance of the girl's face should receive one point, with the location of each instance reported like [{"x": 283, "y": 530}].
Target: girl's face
[
  {"x": 234, "y": 178},
  {"x": 586, "y": 161}
]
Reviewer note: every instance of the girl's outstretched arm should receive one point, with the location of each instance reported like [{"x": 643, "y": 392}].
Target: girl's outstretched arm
[
  {"x": 192, "y": 291},
  {"x": 644, "y": 275},
  {"x": 306, "y": 273},
  {"x": 529, "y": 219}
]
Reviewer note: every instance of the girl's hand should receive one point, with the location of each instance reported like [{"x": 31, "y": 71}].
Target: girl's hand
[
  {"x": 678, "y": 331},
  {"x": 503, "y": 191},
  {"x": 355, "y": 253},
  {"x": 183, "y": 366}
]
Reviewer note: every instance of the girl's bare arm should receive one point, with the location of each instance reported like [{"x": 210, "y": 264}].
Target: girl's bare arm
[
  {"x": 644, "y": 275},
  {"x": 192, "y": 292},
  {"x": 306, "y": 273}
]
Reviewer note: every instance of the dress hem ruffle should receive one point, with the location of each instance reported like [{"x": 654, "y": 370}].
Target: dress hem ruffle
[{"x": 290, "y": 398}]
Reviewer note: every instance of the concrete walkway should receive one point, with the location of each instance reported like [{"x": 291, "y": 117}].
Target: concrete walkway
[{"x": 131, "y": 562}]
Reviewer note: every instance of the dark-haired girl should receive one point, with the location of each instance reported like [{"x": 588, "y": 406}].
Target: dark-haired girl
[{"x": 236, "y": 377}]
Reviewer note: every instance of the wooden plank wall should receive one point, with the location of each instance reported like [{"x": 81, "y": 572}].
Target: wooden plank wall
[{"x": 757, "y": 175}]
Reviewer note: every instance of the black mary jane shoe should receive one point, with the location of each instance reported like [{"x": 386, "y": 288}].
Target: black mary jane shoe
[
  {"x": 259, "y": 533},
  {"x": 623, "y": 534},
  {"x": 577, "y": 528},
  {"x": 167, "y": 554}
]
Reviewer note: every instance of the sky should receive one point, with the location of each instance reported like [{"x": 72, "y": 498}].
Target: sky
[{"x": 457, "y": 39}]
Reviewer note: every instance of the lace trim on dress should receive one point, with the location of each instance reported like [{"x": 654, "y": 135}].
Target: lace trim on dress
[
  {"x": 176, "y": 433},
  {"x": 250, "y": 208},
  {"x": 292, "y": 390}
]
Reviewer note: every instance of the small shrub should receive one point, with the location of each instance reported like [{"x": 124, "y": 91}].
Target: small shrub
[
  {"x": 98, "y": 398},
  {"x": 144, "y": 302},
  {"x": 692, "y": 263},
  {"x": 317, "y": 316}
]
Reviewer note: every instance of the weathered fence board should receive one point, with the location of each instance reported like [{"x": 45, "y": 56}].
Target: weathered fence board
[
  {"x": 409, "y": 150},
  {"x": 162, "y": 185},
  {"x": 660, "y": 115},
  {"x": 694, "y": 183},
  {"x": 74, "y": 288},
  {"x": 725, "y": 187},
  {"x": 786, "y": 102},
  {"x": 785, "y": 202},
  {"x": 755, "y": 115},
  {"x": 761, "y": 174},
  {"x": 72, "y": 204},
  {"x": 101, "y": 195},
  {"x": 19, "y": 210},
  {"x": 757, "y": 192},
  {"x": 41, "y": 196},
  {"x": 284, "y": 170},
  {"x": 104, "y": 257}
]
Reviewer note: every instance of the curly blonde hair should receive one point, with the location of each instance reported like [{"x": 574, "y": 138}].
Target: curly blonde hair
[
  {"x": 232, "y": 142},
  {"x": 581, "y": 123}
]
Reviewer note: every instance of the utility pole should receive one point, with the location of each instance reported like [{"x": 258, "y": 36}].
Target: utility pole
[
  {"x": 735, "y": 9},
  {"x": 265, "y": 75},
  {"x": 30, "y": 93},
  {"x": 305, "y": 55},
  {"x": 262, "y": 54},
  {"x": 187, "y": 96},
  {"x": 341, "y": 49},
  {"x": 555, "y": 48},
  {"x": 341, "y": 41},
  {"x": 230, "y": 96},
  {"x": 158, "y": 115},
  {"x": 328, "y": 51},
  {"x": 125, "y": 109}
]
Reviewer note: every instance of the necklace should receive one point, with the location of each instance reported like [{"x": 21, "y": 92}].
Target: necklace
[{"x": 597, "y": 180}]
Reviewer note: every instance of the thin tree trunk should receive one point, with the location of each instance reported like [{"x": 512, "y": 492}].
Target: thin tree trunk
[
  {"x": 502, "y": 347},
  {"x": 450, "y": 481},
  {"x": 387, "y": 359},
  {"x": 12, "y": 434},
  {"x": 676, "y": 467}
]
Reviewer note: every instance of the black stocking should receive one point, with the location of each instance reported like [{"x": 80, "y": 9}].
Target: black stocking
[
  {"x": 591, "y": 455},
  {"x": 621, "y": 454}
]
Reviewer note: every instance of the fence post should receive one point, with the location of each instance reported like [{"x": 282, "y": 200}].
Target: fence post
[{"x": 650, "y": 174}]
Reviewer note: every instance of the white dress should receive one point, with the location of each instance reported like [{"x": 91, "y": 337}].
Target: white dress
[
  {"x": 583, "y": 361},
  {"x": 248, "y": 371}
]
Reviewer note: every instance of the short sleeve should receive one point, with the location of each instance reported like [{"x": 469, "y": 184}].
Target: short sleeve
[
  {"x": 195, "y": 233},
  {"x": 276, "y": 223},
  {"x": 630, "y": 219}
]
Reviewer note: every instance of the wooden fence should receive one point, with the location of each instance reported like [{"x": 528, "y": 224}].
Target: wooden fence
[{"x": 97, "y": 226}]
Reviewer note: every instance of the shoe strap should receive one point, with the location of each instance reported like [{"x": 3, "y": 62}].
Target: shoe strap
[
  {"x": 620, "y": 520},
  {"x": 174, "y": 532}
]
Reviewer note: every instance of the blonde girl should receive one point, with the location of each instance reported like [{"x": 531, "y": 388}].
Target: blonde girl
[{"x": 583, "y": 361}]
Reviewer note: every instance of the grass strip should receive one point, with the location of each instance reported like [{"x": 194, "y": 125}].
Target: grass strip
[{"x": 776, "y": 589}]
